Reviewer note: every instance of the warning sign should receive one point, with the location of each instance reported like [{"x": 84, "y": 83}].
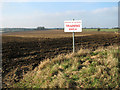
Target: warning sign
[{"x": 73, "y": 26}]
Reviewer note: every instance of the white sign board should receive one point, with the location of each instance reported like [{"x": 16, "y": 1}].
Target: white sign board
[{"x": 73, "y": 26}]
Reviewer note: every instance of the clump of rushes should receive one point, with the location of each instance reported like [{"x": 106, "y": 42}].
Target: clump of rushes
[{"x": 84, "y": 69}]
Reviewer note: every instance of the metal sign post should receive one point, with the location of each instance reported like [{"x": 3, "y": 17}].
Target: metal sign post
[{"x": 73, "y": 43}]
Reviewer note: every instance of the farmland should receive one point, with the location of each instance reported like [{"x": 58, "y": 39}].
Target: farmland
[
  {"x": 23, "y": 51},
  {"x": 104, "y": 30},
  {"x": 57, "y": 33}
]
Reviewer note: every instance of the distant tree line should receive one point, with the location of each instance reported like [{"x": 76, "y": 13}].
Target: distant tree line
[
  {"x": 40, "y": 28},
  {"x": 93, "y": 28},
  {"x": 16, "y": 29},
  {"x": 116, "y": 28}
]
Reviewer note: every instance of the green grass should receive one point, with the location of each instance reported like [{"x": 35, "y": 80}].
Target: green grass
[
  {"x": 105, "y": 30},
  {"x": 84, "y": 69}
]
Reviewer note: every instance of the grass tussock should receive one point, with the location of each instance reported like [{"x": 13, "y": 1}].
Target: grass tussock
[{"x": 84, "y": 69}]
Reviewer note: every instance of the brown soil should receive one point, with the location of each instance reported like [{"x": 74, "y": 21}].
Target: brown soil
[{"x": 22, "y": 54}]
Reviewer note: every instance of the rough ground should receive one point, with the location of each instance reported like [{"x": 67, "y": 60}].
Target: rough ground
[{"x": 20, "y": 54}]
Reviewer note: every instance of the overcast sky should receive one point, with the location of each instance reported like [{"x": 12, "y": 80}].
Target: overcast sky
[{"x": 53, "y": 14}]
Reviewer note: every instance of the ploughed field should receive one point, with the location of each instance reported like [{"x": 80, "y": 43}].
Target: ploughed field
[{"x": 23, "y": 51}]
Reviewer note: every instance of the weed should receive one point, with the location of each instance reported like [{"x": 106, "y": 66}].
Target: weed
[{"x": 93, "y": 53}]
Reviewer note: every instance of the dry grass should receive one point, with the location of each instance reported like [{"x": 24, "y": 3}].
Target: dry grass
[{"x": 84, "y": 69}]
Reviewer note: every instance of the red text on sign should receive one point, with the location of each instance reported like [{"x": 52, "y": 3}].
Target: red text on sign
[
  {"x": 72, "y": 28},
  {"x": 73, "y": 25}
]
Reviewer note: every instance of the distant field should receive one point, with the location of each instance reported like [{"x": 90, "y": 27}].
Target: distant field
[
  {"x": 106, "y": 30},
  {"x": 58, "y": 33}
]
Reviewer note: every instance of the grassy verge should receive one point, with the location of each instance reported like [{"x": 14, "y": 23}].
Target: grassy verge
[
  {"x": 84, "y": 69},
  {"x": 105, "y": 30}
]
